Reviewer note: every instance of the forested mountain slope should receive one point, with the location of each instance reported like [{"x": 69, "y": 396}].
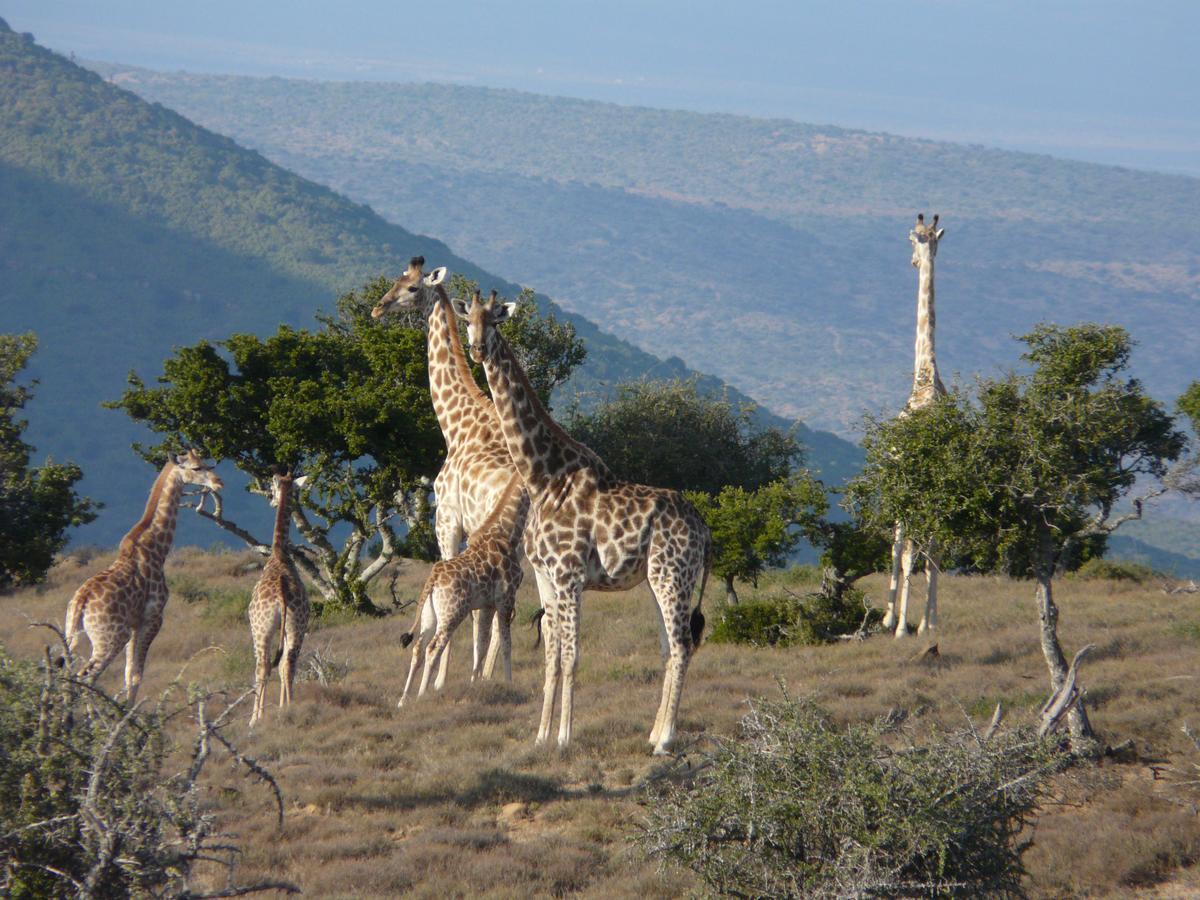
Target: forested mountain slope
[
  {"x": 770, "y": 252},
  {"x": 126, "y": 230}
]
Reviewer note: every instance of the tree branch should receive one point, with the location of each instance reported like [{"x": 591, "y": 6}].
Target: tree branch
[{"x": 233, "y": 528}]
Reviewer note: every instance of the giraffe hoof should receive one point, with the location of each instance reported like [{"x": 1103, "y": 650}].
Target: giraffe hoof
[{"x": 661, "y": 750}]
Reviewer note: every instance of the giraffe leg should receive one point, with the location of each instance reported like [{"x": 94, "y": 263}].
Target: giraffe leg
[
  {"x": 504, "y": 617},
  {"x": 906, "y": 565},
  {"x": 287, "y": 669},
  {"x": 108, "y": 638},
  {"x": 262, "y": 671},
  {"x": 929, "y": 621},
  {"x": 483, "y": 641},
  {"x": 673, "y": 580},
  {"x": 568, "y": 648},
  {"x": 495, "y": 645},
  {"x": 423, "y": 637},
  {"x": 140, "y": 647},
  {"x": 550, "y": 641},
  {"x": 889, "y": 618},
  {"x": 448, "y": 621},
  {"x": 436, "y": 647}
]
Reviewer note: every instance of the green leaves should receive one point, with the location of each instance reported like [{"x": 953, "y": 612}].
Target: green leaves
[
  {"x": 37, "y": 504},
  {"x": 1027, "y": 458}
]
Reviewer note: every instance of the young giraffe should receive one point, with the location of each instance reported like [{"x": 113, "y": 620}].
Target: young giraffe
[
  {"x": 927, "y": 388},
  {"x": 477, "y": 466},
  {"x": 279, "y": 603},
  {"x": 484, "y": 577},
  {"x": 123, "y": 605},
  {"x": 590, "y": 531}
]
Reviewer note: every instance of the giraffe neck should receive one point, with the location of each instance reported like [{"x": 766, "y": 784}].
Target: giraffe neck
[
  {"x": 927, "y": 383},
  {"x": 154, "y": 532},
  {"x": 539, "y": 448},
  {"x": 451, "y": 385},
  {"x": 506, "y": 521},
  {"x": 279, "y": 540}
]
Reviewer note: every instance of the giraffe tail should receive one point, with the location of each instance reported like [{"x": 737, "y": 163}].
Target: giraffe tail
[
  {"x": 408, "y": 637},
  {"x": 73, "y": 626},
  {"x": 535, "y": 621},
  {"x": 697, "y": 621},
  {"x": 282, "y": 632}
]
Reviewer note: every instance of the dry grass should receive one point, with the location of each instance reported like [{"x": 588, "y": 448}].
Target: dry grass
[{"x": 449, "y": 797}]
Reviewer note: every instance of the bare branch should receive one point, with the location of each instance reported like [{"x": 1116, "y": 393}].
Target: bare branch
[
  {"x": 1062, "y": 700},
  {"x": 233, "y": 528}
]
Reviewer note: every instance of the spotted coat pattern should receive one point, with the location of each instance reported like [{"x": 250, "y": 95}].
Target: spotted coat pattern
[
  {"x": 484, "y": 578},
  {"x": 591, "y": 531},
  {"x": 278, "y": 605},
  {"x": 122, "y": 607}
]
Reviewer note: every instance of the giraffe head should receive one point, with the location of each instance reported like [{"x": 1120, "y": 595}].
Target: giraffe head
[
  {"x": 414, "y": 289},
  {"x": 194, "y": 470},
  {"x": 482, "y": 318},
  {"x": 281, "y": 483},
  {"x": 924, "y": 239}
]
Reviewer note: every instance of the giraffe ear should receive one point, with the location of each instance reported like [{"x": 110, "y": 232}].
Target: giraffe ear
[
  {"x": 504, "y": 312},
  {"x": 938, "y": 234},
  {"x": 436, "y": 277},
  {"x": 460, "y": 307},
  {"x": 300, "y": 482}
]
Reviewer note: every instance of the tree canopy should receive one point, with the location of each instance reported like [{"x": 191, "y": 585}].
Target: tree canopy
[
  {"x": 1028, "y": 467},
  {"x": 668, "y": 434},
  {"x": 37, "y": 503}
]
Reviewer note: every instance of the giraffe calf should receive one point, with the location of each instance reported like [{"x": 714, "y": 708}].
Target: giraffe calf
[{"x": 484, "y": 577}]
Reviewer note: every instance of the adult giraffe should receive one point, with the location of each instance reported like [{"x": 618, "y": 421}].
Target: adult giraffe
[
  {"x": 477, "y": 467},
  {"x": 589, "y": 531},
  {"x": 927, "y": 388}
]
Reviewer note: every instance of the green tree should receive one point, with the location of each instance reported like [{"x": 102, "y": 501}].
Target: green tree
[
  {"x": 347, "y": 404},
  {"x": 1027, "y": 468},
  {"x": 37, "y": 504},
  {"x": 758, "y": 529},
  {"x": 668, "y": 434}
]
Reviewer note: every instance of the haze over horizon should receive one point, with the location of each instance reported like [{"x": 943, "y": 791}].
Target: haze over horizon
[{"x": 1095, "y": 81}]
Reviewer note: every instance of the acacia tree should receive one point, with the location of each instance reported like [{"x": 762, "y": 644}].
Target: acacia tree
[
  {"x": 37, "y": 503},
  {"x": 1027, "y": 468},
  {"x": 348, "y": 405}
]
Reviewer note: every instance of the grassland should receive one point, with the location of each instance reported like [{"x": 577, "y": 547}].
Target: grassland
[{"x": 449, "y": 797}]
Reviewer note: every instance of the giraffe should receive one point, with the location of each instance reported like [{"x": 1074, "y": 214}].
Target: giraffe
[
  {"x": 279, "y": 602},
  {"x": 590, "y": 531},
  {"x": 484, "y": 577},
  {"x": 123, "y": 605},
  {"x": 927, "y": 388},
  {"x": 477, "y": 467}
]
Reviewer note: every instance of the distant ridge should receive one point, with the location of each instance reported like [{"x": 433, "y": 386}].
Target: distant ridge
[{"x": 126, "y": 230}]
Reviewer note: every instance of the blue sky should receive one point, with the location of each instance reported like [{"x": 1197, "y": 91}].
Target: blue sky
[{"x": 1112, "y": 82}]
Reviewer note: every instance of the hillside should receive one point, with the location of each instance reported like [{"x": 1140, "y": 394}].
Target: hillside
[
  {"x": 126, "y": 230},
  {"x": 733, "y": 241}
]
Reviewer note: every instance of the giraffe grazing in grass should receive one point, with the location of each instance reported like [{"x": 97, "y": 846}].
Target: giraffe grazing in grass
[
  {"x": 279, "y": 603},
  {"x": 590, "y": 531},
  {"x": 477, "y": 467},
  {"x": 484, "y": 577},
  {"x": 123, "y": 605},
  {"x": 927, "y": 388}
]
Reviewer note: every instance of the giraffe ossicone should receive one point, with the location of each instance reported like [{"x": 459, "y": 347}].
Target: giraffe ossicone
[
  {"x": 122, "y": 606},
  {"x": 590, "y": 531}
]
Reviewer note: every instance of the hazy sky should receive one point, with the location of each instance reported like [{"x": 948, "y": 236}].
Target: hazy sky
[{"x": 1115, "y": 82}]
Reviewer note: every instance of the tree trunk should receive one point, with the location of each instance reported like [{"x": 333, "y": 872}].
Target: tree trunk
[
  {"x": 730, "y": 594},
  {"x": 1077, "y": 720}
]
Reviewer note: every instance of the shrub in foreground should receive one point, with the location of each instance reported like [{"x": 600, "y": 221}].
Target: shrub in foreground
[
  {"x": 88, "y": 804},
  {"x": 797, "y": 806}
]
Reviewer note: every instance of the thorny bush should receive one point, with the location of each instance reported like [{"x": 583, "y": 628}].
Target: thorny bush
[
  {"x": 796, "y": 806},
  {"x": 89, "y": 806}
]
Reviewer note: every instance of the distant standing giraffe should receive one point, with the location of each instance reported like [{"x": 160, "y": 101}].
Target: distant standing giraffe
[
  {"x": 279, "y": 603},
  {"x": 123, "y": 605},
  {"x": 484, "y": 577},
  {"x": 927, "y": 387},
  {"x": 477, "y": 467},
  {"x": 589, "y": 531}
]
